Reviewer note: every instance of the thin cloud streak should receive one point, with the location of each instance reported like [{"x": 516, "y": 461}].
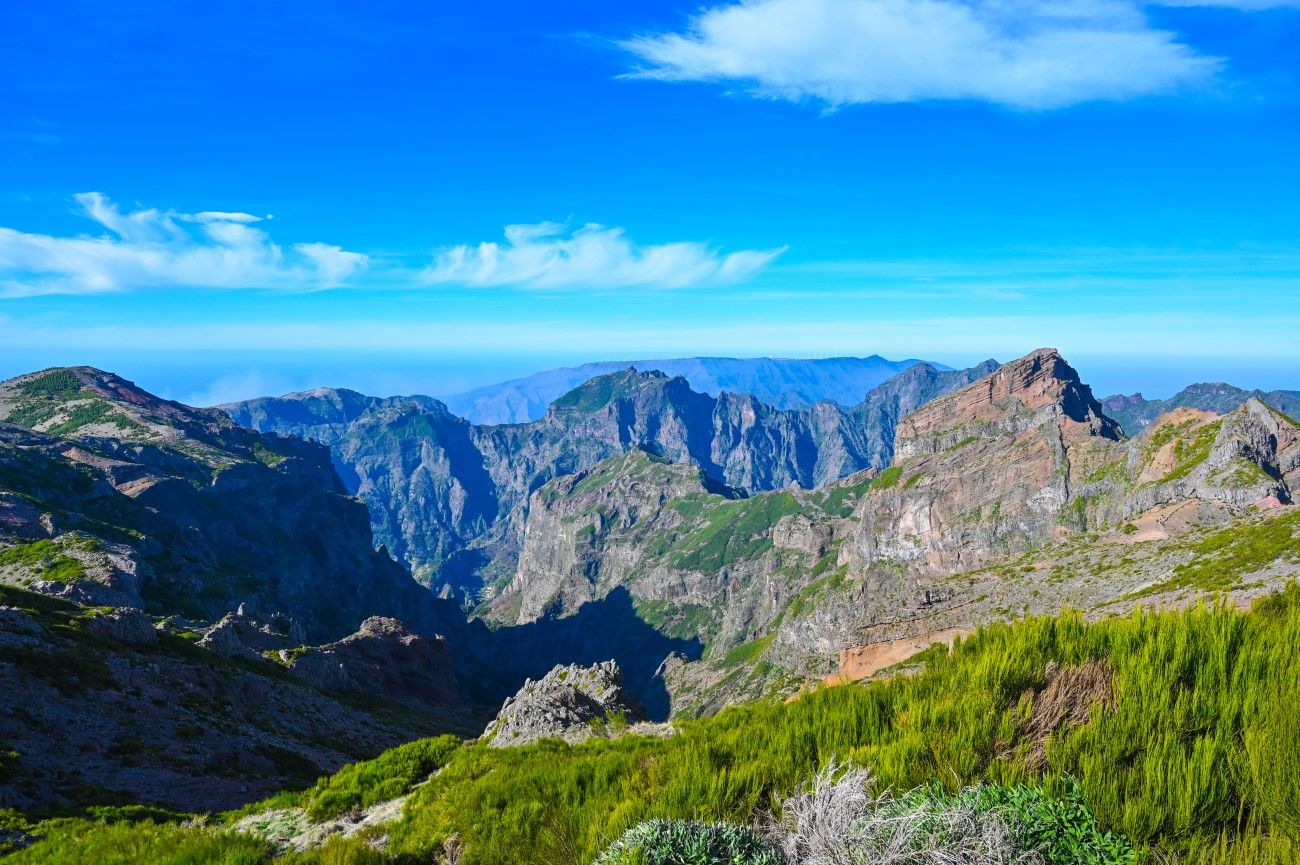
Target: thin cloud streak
[
  {"x": 1173, "y": 335},
  {"x": 548, "y": 255}
]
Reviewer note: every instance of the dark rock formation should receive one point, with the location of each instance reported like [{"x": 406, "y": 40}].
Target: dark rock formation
[
  {"x": 382, "y": 657},
  {"x": 125, "y": 625},
  {"x": 93, "y": 707}
]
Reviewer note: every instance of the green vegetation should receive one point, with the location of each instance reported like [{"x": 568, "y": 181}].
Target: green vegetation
[
  {"x": 733, "y": 530},
  {"x": 1196, "y": 757},
  {"x": 887, "y": 478},
  {"x": 678, "y": 620},
  {"x": 386, "y": 777},
  {"x": 1223, "y": 557},
  {"x": 1061, "y": 827},
  {"x": 1241, "y": 472},
  {"x": 46, "y": 557},
  {"x": 1190, "y": 454},
  {"x": 131, "y": 843},
  {"x": 266, "y": 456},
  {"x": 968, "y": 440},
  {"x": 747, "y": 652},
  {"x": 812, "y": 593},
  {"x": 687, "y": 842},
  {"x": 597, "y": 393},
  {"x": 58, "y": 384},
  {"x": 840, "y": 499}
]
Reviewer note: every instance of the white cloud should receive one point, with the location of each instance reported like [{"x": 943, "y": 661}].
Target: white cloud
[
  {"x": 1027, "y": 54},
  {"x": 547, "y": 255},
  {"x": 1243, "y": 5},
  {"x": 163, "y": 249}
]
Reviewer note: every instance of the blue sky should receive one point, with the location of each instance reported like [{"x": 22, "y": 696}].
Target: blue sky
[{"x": 230, "y": 199}]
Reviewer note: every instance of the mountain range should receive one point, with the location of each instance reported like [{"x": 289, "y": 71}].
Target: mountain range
[
  {"x": 171, "y": 574},
  {"x": 1135, "y": 413},
  {"x": 778, "y": 382},
  {"x": 450, "y": 498}
]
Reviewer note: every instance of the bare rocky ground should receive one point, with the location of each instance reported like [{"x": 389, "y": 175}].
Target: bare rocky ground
[{"x": 101, "y": 707}]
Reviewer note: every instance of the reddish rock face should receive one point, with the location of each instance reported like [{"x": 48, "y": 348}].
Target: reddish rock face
[
  {"x": 1011, "y": 399},
  {"x": 985, "y": 469}
]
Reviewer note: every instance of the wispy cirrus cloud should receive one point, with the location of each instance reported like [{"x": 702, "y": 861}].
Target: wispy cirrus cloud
[
  {"x": 149, "y": 248},
  {"x": 1025, "y": 54},
  {"x": 550, "y": 255}
]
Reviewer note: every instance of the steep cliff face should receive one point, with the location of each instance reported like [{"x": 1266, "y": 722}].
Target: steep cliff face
[
  {"x": 984, "y": 470},
  {"x": 1018, "y": 465},
  {"x": 451, "y": 499},
  {"x": 111, "y": 495}
]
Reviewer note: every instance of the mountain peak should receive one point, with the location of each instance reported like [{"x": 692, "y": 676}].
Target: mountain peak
[
  {"x": 1020, "y": 394},
  {"x": 597, "y": 393}
]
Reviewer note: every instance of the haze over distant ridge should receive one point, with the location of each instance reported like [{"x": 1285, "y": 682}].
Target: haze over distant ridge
[{"x": 780, "y": 382}]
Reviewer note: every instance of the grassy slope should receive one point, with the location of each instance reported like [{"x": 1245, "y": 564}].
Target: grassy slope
[{"x": 1198, "y": 757}]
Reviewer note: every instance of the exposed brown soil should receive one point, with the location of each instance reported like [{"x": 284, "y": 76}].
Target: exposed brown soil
[{"x": 861, "y": 662}]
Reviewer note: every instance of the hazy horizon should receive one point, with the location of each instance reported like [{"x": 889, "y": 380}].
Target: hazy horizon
[{"x": 202, "y": 381}]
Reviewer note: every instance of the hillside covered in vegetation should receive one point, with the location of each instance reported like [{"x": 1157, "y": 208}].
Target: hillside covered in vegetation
[{"x": 1173, "y": 729}]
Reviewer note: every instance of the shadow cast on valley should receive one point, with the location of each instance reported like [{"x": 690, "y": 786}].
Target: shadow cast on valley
[{"x": 598, "y": 631}]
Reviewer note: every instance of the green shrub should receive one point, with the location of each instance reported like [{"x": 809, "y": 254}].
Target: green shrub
[
  {"x": 386, "y": 777},
  {"x": 686, "y": 842},
  {"x": 887, "y": 478},
  {"x": 65, "y": 842},
  {"x": 45, "y": 556}
]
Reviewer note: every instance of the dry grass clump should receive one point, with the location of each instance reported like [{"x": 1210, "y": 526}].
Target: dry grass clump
[
  {"x": 1066, "y": 698},
  {"x": 838, "y": 819}
]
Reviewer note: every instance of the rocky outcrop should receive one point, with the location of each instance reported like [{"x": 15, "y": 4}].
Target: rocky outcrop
[
  {"x": 125, "y": 625},
  {"x": 570, "y": 703},
  {"x": 93, "y": 701},
  {"x": 583, "y": 533},
  {"x": 984, "y": 470},
  {"x": 382, "y": 657}
]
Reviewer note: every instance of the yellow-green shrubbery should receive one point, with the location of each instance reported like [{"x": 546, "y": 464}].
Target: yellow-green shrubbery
[{"x": 1197, "y": 757}]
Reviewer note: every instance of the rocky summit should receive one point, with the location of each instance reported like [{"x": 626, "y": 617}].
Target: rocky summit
[{"x": 570, "y": 702}]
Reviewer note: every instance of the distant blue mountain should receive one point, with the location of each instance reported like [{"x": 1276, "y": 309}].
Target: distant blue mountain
[{"x": 779, "y": 382}]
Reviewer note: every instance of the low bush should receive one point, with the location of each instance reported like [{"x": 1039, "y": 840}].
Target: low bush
[{"x": 687, "y": 842}]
